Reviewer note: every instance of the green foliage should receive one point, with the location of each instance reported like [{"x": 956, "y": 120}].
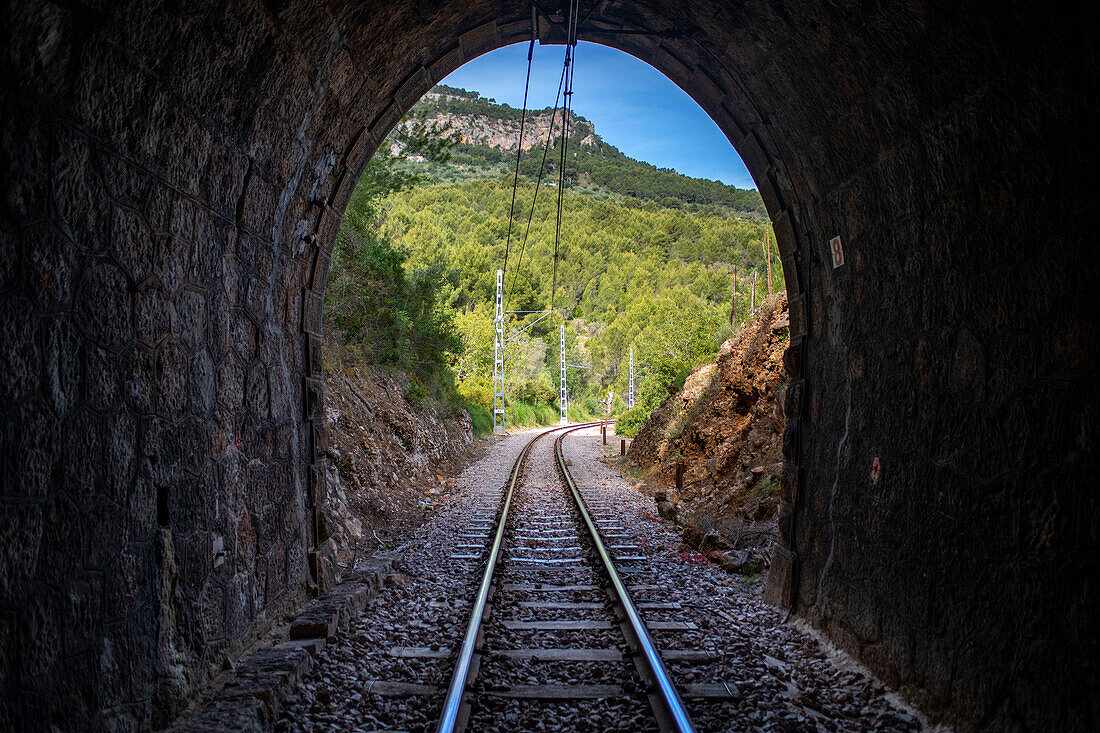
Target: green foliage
[
  {"x": 767, "y": 487},
  {"x": 480, "y": 416},
  {"x": 471, "y": 104},
  {"x": 536, "y": 392},
  {"x": 585, "y": 410},
  {"x": 477, "y": 390},
  {"x": 377, "y": 310},
  {"x": 605, "y": 166},
  {"x": 416, "y": 136},
  {"x": 474, "y": 361},
  {"x": 647, "y": 258},
  {"x": 591, "y": 162},
  {"x": 520, "y": 414},
  {"x": 382, "y": 314},
  {"x": 547, "y": 414},
  {"x": 415, "y": 394},
  {"x": 631, "y": 421},
  {"x": 656, "y": 278}
]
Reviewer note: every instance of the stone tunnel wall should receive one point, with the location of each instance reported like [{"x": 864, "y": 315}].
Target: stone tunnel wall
[
  {"x": 941, "y": 485},
  {"x": 173, "y": 179},
  {"x": 154, "y": 494}
]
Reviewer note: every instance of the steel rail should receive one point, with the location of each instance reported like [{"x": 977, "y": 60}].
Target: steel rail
[
  {"x": 677, "y": 716},
  {"x": 452, "y": 705}
]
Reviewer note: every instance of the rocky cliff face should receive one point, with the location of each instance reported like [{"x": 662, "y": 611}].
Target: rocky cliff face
[
  {"x": 500, "y": 133},
  {"x": 726, "y": 426},
  {"x": 390, "y": 459}
]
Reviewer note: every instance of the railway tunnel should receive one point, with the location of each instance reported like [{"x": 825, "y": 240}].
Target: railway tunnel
[{"x": 174, "y": 176}]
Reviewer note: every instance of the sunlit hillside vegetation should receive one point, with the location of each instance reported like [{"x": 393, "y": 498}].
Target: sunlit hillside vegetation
[
  {"x": 592, "y": 164},
  {"x": 413, "y": 282}
]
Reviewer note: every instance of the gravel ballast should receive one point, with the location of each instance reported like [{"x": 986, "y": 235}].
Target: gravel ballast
[{"x": 390, "y": 670}]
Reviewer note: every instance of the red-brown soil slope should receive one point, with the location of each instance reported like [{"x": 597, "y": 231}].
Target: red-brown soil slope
[
  {"x": 389, "y": 459},
  {"x": 726, "y": 425}
]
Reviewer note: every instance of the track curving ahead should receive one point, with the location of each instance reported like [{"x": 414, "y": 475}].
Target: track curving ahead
[
  {"x": 668, "y": 709},
  {"x": 667, "y": 705}
]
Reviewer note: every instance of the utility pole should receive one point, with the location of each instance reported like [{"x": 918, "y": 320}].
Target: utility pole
[
  {"x": 768, "y": 257},
  {"x": 752, "y": 302},
  {"x": 498, "y": 358},
  {"x": 733, "y": 304},
  {"x": 563, "y": 398},
  {"x": 630, "y": 393}
]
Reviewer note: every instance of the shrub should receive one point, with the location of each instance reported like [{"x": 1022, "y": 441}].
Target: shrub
[
  {"x": 521, "y": 415},
  {"x": 547, "y": 415},
  {"x": 416, "y": 394},
  {"x": 477, "y": 392},
  {"x": 481, "y": 418},
  {"x": 632, "y": 420},
  {"x": 536, "y": 393}
]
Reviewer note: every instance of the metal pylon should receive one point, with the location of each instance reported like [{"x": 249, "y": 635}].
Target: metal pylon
[
  {"x": 498, "y": 358},
  {"x": 630, "y": 393},
  {"x": 563, "y": 397}
]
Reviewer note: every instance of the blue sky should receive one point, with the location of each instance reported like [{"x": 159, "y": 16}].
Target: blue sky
[{"x": 634, "y": 107}]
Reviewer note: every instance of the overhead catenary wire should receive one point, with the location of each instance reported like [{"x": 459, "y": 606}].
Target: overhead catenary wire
[
  {"x": 538, "y": 184},
  {"x": 567, "y": 73},
  {"x": 566, "y": 81},
  {"x": 519, "y": 151},
  {"x": 515, "y": 187},
  {"x": 567, "y": 105},
  {"x": 529, "y": 325}
]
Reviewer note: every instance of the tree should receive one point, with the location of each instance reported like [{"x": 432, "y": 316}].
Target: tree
[
  {"x": 380, "y": 313},
  {"x": 475, "y": 358}
]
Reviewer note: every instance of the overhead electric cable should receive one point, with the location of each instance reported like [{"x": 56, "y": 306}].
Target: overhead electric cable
[
  {"x": 567, "y": 105},
  {"x": 519, "y": 151},
  {"x": 538, "y": 183}
]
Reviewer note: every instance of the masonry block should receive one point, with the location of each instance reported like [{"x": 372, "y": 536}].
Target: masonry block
[{"x": 157, "y": 326}]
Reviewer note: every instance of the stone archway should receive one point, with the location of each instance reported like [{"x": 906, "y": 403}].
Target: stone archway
[{"x": 174, "y": 178}]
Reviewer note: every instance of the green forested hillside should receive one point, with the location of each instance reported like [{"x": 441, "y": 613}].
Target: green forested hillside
[
  {"x": 646, "y": 259},
  {"x": 596, "y": 164},
  {"x": 628, "y": 273}
]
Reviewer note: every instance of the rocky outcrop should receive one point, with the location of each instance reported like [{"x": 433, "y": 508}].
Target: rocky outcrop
[
  {"x": 389, "y": 458},
  {"x": 725, "y": 425},
  {"x": 503, "y": 134}
]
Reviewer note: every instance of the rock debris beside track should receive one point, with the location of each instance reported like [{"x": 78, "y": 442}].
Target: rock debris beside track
[{"x": 779, "y": 678}]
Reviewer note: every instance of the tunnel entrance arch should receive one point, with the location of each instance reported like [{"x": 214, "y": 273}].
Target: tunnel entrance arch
[
  {"x": 716, "y": 98},
  {"x": 175, "y": 176}
]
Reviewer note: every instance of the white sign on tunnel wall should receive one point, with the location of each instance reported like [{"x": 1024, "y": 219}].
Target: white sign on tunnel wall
[{"x": 837, "y": 251}]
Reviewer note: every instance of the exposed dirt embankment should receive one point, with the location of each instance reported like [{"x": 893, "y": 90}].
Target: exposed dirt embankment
[
  {"x": 390, "y": 459},
  {"x": 726, "y": 425}
]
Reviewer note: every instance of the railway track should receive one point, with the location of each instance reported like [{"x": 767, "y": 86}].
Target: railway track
[
  {"x": 553, "y": 628},
  {"x": 552, "y": 647}
]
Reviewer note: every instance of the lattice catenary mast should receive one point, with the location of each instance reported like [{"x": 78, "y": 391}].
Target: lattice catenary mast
[
  {"x": 563, "y": 398},
  {"x": 498, "y": 358},
  {"x": 630, "y": 393}
]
